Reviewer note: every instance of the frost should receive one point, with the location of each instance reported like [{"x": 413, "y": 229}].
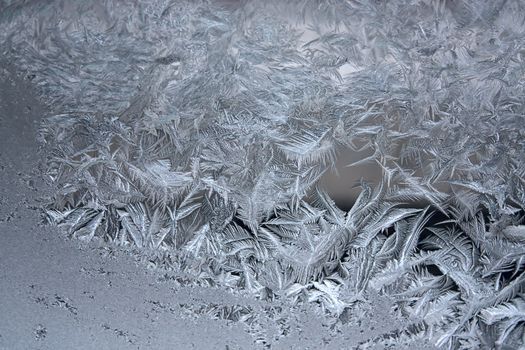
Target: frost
[{"x": 199, "y": 135}]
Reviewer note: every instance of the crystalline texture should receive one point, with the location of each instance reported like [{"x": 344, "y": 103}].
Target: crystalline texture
[{"x": 203, "y": 132}]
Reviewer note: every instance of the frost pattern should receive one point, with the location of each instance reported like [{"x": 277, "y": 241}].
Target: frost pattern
[{"x": 198, "y": 135}]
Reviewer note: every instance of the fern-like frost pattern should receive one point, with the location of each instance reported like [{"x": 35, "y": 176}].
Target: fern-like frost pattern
[{"x": 198, "y": 133}]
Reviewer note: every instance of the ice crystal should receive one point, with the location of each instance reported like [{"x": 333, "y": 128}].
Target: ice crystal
[{"x": 199, "y": 132}]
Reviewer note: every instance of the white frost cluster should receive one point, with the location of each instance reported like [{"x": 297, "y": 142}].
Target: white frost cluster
[{"x": 198, "y": 134}]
